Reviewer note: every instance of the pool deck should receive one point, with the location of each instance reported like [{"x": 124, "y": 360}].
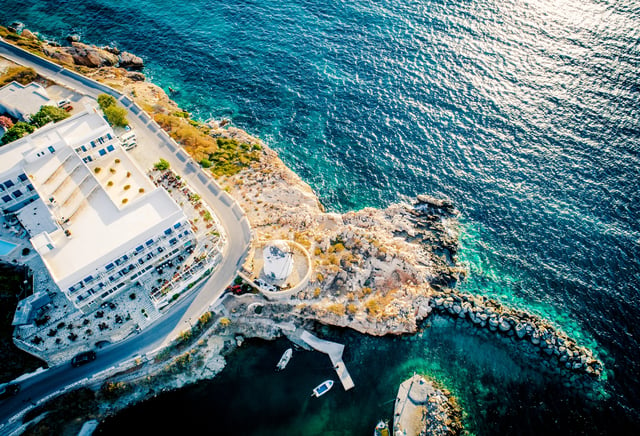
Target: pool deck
[{"x": 6, "y": 247}]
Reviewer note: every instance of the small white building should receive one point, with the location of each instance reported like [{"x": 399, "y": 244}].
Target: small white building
[
  {"x": 99, "y": 223},
  {"x": 278, "y": 261},
  {"x": 22, "y": 101}
]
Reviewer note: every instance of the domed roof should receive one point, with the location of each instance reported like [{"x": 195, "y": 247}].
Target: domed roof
[{"x": 278, "y": 261}]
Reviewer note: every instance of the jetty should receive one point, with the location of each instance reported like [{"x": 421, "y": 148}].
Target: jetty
[
  {"x": 333, "y": 349},
  {"x": 410, "y": 410}
]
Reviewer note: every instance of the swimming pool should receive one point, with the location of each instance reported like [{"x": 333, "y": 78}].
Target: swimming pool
[{"x": 6, "y": 247}]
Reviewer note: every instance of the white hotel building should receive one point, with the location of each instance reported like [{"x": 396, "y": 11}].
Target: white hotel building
[{"x": 94, "y": 217}]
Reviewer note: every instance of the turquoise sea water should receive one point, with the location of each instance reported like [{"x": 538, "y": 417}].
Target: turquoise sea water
[{"x": 525, "y": 114}]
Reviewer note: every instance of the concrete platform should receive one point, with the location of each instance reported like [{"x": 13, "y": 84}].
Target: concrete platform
[{"x": 333, "y": 349}]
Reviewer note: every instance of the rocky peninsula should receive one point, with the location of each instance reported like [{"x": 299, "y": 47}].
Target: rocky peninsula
[{"x": 377, "y": 271}]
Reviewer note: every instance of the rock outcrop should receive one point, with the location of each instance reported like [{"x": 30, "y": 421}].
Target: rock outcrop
[
  {"x": 90, "y": 56},
  {"x": 130, "y": 61}
]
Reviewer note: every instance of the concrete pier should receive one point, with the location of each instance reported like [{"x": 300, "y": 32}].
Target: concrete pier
[
  {"x": 333, "y": 349},
  {"x": 410, "y": 411}
]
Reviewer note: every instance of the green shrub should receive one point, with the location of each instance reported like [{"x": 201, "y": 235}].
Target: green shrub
[
  {"x": 18, "y": 130},
  {"x": 20, "y": 74},
  {"x": 162, "y": 165},
  {"x": 106, "y": 100},
  {"x": 48, "y": 114},
  {"x": 206, "y": 163},
  {"x": 117, "y": 116}
]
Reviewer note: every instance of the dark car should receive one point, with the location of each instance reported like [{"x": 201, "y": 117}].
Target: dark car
[
  {"x": 9, "y": 390},
  {"x": 83, "y": 358}
]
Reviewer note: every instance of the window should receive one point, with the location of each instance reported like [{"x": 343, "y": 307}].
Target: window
[
  {"x": 87, "y": 279},
  {"x": 51, "y": 149},
  {"x": 109, "y": 136},
  {"x": 139, "y": 248},
  {"x": 172, "y": 241},
  {"x": 93, "y": 144},
  {"x": 110, "y": 148},
  {"x": 17, "y": 193},
  {"x": 149, "y": 242},
  {"x": 6, "y": 198},
  {"x": 79, "y": 149},
  {"x": 108, "y": 266},
  {"x": 167, "y": 232},
  {"x": 177, "y": 225},
  {"x": 83, "y": 148},
  {"x": 22, "y": 177},
  {"x": 8, "y": 183},
  {"x": 102, "y": 152},
  {"x": 30, "y": 187}
]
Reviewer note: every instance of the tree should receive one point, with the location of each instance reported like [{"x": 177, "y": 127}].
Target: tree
[
  {"x": 19, "y": 130},
  {"x": 162, "y": 165},
  {"x": 6, "y": 122},
  {"x": 48, "y": 114},
  {"x": 117, "y": 116},
  {"x": 106, "y": 100}
]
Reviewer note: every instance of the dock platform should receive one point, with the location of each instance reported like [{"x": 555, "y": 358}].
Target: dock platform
[
  {"x": 333, "y": 349},
  {"x": 410, "y": 410}
]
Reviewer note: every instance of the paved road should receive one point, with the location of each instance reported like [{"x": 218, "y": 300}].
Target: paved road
[{"x": 186, "y": 311}]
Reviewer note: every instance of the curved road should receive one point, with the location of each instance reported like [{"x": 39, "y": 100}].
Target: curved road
[{"x": 175, "y": 320}]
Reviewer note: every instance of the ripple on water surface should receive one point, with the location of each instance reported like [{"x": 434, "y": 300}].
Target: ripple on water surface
[{"x": 525, "y": 114}]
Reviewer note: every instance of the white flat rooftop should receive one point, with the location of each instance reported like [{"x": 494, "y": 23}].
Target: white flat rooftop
[
  {"x": 36, "y": 218},
  {"x": 100, "y": 232},
  {"x": 27, "y": 99},
  {"x": 100, "y": 215}
]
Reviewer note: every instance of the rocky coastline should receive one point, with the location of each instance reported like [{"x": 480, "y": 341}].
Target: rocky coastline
[{"x": 377, "y": 271}]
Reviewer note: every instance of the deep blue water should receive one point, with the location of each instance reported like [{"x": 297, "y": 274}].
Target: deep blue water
[{"x": 526, "y": 114}]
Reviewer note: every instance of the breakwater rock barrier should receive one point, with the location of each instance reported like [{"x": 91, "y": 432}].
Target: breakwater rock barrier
[{"x": 487, "y": 313}]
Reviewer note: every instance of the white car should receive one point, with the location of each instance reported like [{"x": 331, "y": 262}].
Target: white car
[{"x": 64, "y": 102}]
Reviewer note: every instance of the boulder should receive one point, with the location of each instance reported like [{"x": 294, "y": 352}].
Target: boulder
[
  {"x": 26, "y": 33},
  {"x": 56, "y": 53},
  {"x": 504, "y": 326},
  {"x": 130, "y": 61},
  {"x": 110, "y": 49},
  {"x": 91, "y": 56},
  {"x": 136, "y": 77}
]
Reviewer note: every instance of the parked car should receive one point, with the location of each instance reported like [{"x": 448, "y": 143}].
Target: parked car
[
  {"x": 82, "y": 358},
  {"x": 9, "y": 390},
  {"x": 67, "y": 107},
  {"x": 64, "y": 102}
]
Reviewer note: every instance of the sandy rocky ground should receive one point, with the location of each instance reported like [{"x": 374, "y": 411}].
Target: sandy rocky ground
[{"x": 377, "y": 271}]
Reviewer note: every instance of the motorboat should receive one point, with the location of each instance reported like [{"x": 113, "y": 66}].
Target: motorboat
[
  {"x": 382, "y": 429},
  {"x": 322, "y": 388},
  {"x": 284, "y": 360}
]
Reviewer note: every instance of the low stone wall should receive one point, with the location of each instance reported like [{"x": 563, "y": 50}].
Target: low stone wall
[{"x": 486, "y": 313}]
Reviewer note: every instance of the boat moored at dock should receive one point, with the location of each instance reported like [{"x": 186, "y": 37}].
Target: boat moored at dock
[
  {"x": 284, "y": 360},
  {"x": 322, "y": 388},
  {"x": 382, "y": 429}
]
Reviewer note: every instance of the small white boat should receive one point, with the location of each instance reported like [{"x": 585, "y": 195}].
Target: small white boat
[
  {"x": 322, "y": 388},
  {"x": 284, "y": 360},
  {"x": 382, "y": 429}
]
